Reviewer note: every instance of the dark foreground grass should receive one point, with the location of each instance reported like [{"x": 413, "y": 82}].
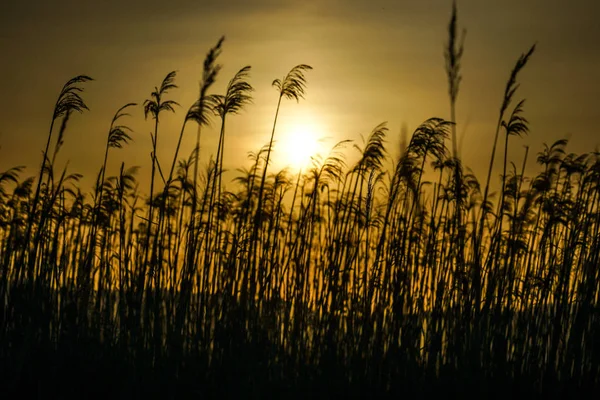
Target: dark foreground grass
[{"x": 344, "y": 279}]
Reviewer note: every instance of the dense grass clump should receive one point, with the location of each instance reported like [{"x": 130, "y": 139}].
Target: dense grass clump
[{"x": 347, "y": 278}]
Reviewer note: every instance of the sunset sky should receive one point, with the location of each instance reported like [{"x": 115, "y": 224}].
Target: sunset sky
[{"x": 373, "y": 61}]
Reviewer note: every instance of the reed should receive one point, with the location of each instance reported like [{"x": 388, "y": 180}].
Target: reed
[{"x": 345, "y": 278}]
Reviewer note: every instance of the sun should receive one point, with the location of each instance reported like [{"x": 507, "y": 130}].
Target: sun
[{"x": 298, "y": 143}]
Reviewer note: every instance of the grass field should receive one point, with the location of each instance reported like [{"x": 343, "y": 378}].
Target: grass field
[{"x": 344, "y": 278}]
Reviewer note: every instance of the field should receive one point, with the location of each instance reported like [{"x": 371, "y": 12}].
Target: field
[{"x": 343, "y": 278}]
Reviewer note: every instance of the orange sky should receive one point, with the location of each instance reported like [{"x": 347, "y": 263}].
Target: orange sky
[{"x": 373, "y": 61}]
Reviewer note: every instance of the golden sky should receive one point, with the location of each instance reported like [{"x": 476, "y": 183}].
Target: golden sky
[{"x": 373, "y": 61}]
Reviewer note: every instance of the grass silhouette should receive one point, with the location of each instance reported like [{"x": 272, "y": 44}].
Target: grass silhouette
[{"x": 347, "y": 279}]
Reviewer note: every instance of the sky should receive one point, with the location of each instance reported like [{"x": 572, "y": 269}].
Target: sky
[{"x": 373, "y": 61}]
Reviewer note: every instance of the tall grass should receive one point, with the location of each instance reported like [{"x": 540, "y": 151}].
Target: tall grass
[{"x": 345, "y": 277}]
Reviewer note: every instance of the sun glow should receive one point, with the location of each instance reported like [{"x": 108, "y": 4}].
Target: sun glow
[{"x": 298, "y": 143}]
